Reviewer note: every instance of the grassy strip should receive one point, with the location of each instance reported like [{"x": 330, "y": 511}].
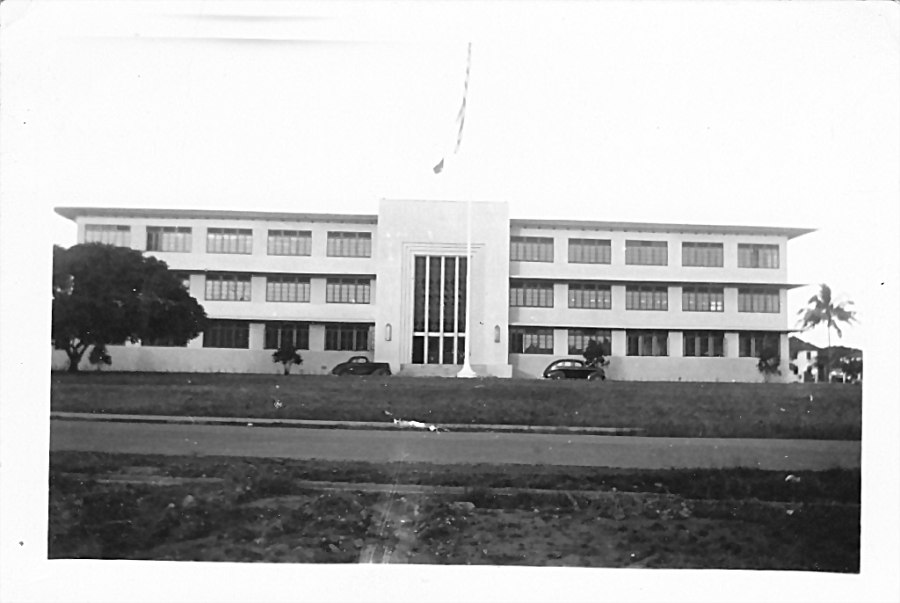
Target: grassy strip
[{"x": 812, "y": 411}]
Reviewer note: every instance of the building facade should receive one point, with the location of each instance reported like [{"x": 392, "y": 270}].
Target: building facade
[{"x": 666, "y": 301}]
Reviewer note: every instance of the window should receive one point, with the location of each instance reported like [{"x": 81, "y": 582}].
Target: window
[
  {"x": 289, "y": 334},
  {"x": 227, "y": 334},
  {"x": 530, "y": 340},
  {"x": 647, "y": 343},
  {"x": 531, "y": 249},
  {"x": 349, "y": 244},
  {"x": 439, "y": 310},
  {"x": 289, "y": 242},
  {"x": 347, "y": 337},
  {"x": 347, "y": 291},
  {"x": 647, "y": 253},
  {"x": 702, "y": 299},
  {"x": 752, "y": 255},
  {"x": 110, "y": 234},
  {"x": 228, "y": 287},
  {"x": 704, "y": 343},
  {"x": 579, "y": 338},
  {"x": 287, "y": 289},
  {"x": 530, "y": 294},
  {"x": 590, "y": 251},
  {"x": 752, "y": 343},
  {"x": 229, "y": 240},
  {"x": 702, "y": 254},
  {"x": 758, "y": 300},
  {"x": 169, "y": 238},
  {"x": 162, "y": 342},
  {"x": 646, "y": 297},
  {"x": 590, "y": 295}
]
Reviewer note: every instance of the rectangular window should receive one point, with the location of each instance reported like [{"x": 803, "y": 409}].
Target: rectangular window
[
  {"x": 169, "y": 238},
  {"x": 590, "y": 251},
  {"x": 590, "y": 295},
  {"x": 646, "y": 297},
  {"x": 531, "y": 249},
  {"x": 530, "y": 340},
  {"x": 647, "y": 253},
  {"x": 702, "y": 299},
  {"x": 348, "y": 291},
  {"x": 579, "y": 339},
  {"x": 759, "y": 300},
  {"x": 227, "y": 334},
  {"x": 289, "y": 334},
  {"x": 349, "y": 244},
  {"x": 109, "y": 234},
  {"x": 702, "y": 254},
  {"x": 289, "y": 242},
  {"x": 752, "y": 343},
  {"x": 704, "y": 343},
  {"x": 228, "y": 287},
  {"x": 647, "y": 343},
  {"x": 287, "y": 289},
  {"x": 229, "y": 240},
  {"x": 752, "y": 255},
  {"x": 347, "y": 337},
  {"x": 524, "y": 294}
]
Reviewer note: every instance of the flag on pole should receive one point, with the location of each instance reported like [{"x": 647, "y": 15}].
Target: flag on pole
[{"x": 461, "y": 116}]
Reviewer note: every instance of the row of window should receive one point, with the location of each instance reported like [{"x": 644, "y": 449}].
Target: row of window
[
  {"x": 177, "y": 239},
  {"x": 594, "y": 296},
  {"x": 641, "y": 342},
  {"x": 642, "y": 253},
  {"x": 349, "y": 337},
  {"x": 236, "y": 287}
]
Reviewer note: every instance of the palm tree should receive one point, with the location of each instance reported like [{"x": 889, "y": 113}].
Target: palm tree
[{"x": 821, "y": 309}]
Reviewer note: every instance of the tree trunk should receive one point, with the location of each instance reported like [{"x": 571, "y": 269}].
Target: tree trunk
[
  {"x": 74, "y": 359},
  {"x": 287, "y": 368}
]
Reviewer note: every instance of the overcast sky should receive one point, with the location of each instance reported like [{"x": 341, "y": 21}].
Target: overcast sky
[{"x": 721, "y": 113}]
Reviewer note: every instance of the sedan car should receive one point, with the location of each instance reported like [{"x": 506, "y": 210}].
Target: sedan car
[
  {"x": 361, "y": 365},
  {"x": 574, "y": 368}
]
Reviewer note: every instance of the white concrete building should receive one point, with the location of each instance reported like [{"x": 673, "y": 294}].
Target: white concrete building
[{"x": 668, "y": 301}]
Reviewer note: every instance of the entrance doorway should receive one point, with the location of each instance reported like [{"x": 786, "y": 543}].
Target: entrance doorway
[{"x": 439, "y": 310}]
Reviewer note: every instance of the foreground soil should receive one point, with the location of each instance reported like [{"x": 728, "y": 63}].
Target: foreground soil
[
  {"x": 222, "y": 509},
  {"x": 831, "y": 411}
]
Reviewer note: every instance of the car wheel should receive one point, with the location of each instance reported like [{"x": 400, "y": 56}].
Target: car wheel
[
  {"x": 556, "y": 375},
  {"x": 598, "y": 376},
  {"x": 381, "y": 372}
]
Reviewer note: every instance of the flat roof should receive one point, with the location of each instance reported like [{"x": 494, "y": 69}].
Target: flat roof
[
  {"x": 660, "y": 227},
  {"x": 204, "y": 214}
]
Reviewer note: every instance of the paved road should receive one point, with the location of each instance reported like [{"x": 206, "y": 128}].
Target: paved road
[{"x": 452, "y": 448}]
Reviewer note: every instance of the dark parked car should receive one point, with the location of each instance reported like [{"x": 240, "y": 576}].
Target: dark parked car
[
  {"x": 361, "y": 365},
  {"x": 574, "y": 368}
]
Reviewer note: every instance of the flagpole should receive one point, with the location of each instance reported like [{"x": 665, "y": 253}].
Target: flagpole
[{"x": 466, "y": 372}]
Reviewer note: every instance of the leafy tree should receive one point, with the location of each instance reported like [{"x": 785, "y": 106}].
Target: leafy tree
[
  {"x": 106, "y": 295},
  {"x": 821, "y": 309},
  {"x": 593, "y": 353},
  {"x": 852, "y": 368},
  {"x": 287, "y": 355},
  {"x": 100, "y": 356},
  {"x": 769, "y": 362}
]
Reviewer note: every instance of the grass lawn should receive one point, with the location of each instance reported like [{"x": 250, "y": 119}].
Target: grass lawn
[
  {"x": 755, "y": 410},
  {"x": 231, "y": 509}
]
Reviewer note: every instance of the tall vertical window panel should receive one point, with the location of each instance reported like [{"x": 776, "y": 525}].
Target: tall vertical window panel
[
  {"x": 593, "y": 296},
  {"x": 530, "y": 340},
  {"x": 348, "y": 290},
  {"x": 531, "y": 249},
  {"x": 350, "y": 244},
  {"x": 702, "y": 254},
  {"x": 109, "y": 234},
  {"x": 753, "y": 255},
  {"x": 528, "y": 294},
  {"x": 285, "y": 288},
  {"x": 229, "y": 240},
  {"x": 647, "y": 297},
  {"x": 647, "y": 343},
  {"x": 228, "y": 287},
  {"x": 590, "y": 251},
  {"x": 169, "y": 238},
  {"x": 227, "y": 334},
  {"x": 647, "y": 253},
  {"x": 759, "y": 300},
  {"x": 704, "y": 343},
  {"x": 578, "y": 340},
  {"x": 347, "y": 337},
  {"x": 702, "y": 299},
  {"x": 293, "y": 335},
  {"x": 289, "y": 242},
  {"x": 752, "y": 343}
]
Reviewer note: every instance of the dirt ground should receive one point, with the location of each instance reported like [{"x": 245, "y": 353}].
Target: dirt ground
[{"x": 147, "y": 510}]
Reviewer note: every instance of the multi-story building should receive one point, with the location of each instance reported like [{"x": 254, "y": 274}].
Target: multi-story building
[{"x": 666, "y": 301}]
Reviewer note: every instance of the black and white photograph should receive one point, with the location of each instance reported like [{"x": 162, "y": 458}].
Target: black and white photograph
[{"x": 449, "y": 301}]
